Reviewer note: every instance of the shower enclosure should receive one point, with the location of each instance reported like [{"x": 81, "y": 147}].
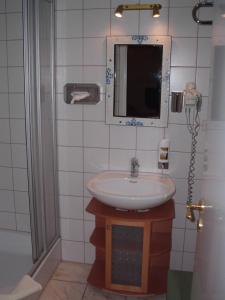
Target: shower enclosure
[{"x": 29, "y": 227}]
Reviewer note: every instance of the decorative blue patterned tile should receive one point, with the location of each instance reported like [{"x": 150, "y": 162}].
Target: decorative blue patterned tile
[
  {"x": 139, "y": 38},
  {"x": 134, "y": 122},
  {"x": 109, "y": 75}
]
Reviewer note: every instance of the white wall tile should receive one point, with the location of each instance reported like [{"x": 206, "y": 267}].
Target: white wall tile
[
  {"x": 68, "y": 4},
  {"x": 69, "y": 52},
  {"x": 69, "y": 24},
  {"x": 176, "y": 260},
  {"x": 17, "y": 105},
  {"x": 71, "y": 183},
  {"x": 5, "y": 155},
  {"x": 4, "y": 131},
  {"x": 178, "y": 164},
  {"x": 115, "y": 3},
  {"x": 68, "y": 75},
  {"x": 71, "y": 207},
  {"x": 2, "y": 5},
  {"x": 72, "y": 251},
  {"x": 69, "y": 133},
  {"x": 128, "y": 25},
  {"x": 16, "y": 79},
  {"x": 188, "y": 261},
  {"x": 89, "y": 227},
  {"x": 70, "y": 159},
  {"x": 72, "y": 230},
  {"x": 87, "y": 177},
  {"x": 204, "y": 57},
  {"x": 148, "y": 161},
  {"x": 184, "y": 52},
  {"x": 148, "y": 138},
  {"x": 96, "y": 4},
  {"x": 164, "y": 3},
  {"x": 179, "y": 77},
  {"x": 94, "y": 51},
  {"x": 182, "y": 3},
  {"x": 202, "y": 80},
  {"x": 14, "y": 5},
  {"x": 96, "y": 22},
  {"x": 3, "y": 56},
  {"x": 87, "y": 216},
  {"x": 190, "y": 240},
  {"x": 20, "y": 179},
  {"x": 6, "y": 201},
  {"x": 6, "y": 181},
  {"x": 19, "y": 156},
  {"x": 4, "y": 106},
  {"x": 23, "y": 222},
  {"x": 3, "y": 80},
  {"x": 120, "y": 159},
  {"x": 122, "y": 137},
  {"x": 181, "y": 191},
  {"x": 95, "y": 112},
  {"x": 95, "y": 159},
  {"x": 14, "y": 26},
  {"x": 15, "y": 53},
  {"x": 95, "y": 74},
  {"x": 96, "y": 134},
  {"x": 180, "y": 138},
  {"x": 181, "y": 23},
  {"x": 18, "y": 131},
  {"x": 7, "y": 221},
  {"x": 2, "y": 27},
  {"x": 154, "y": 26},
  {"x": 21, "y": 202},
  {"x": 206, "y": 13},
  {"x": 89, "y": 253},
  {"x": 177, "y": 239},
  {"x": 66, "y": 111},
  {"x": 180, "y": 211}
]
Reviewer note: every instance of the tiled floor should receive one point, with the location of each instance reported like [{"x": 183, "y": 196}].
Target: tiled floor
[{"x": 70, "y": 283}]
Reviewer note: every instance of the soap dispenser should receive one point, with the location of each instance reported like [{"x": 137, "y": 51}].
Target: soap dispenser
[{"x": 163, "y": 162}]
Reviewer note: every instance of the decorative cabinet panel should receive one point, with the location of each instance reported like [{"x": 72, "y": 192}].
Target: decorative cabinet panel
[{"x": 132, "y": 249}]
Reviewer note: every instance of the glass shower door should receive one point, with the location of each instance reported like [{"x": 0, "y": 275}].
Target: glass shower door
[{"x": 41, "y": 125}]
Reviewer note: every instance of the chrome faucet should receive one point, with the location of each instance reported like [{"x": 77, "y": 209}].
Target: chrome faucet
[{"x": 134, "y": 171}]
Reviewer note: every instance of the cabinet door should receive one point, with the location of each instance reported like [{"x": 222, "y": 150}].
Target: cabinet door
[{"x": 127, "y": 255}]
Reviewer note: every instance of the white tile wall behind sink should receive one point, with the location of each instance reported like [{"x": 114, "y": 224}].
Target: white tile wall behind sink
[
  {"x": 14, "y": 206},
  {"x": 87, "y": 145}
]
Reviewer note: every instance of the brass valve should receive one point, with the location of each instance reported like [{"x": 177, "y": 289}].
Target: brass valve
[{"x": 190, "y": 215}]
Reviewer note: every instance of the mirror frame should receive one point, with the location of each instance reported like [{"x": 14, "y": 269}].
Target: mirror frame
[{"x": 110, "y": 74}]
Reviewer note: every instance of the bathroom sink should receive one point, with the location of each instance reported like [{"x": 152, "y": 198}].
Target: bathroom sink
[{"x": 119, "y": 190}]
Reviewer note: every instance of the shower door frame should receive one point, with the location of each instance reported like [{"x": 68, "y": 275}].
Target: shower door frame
[{"x": 40, "y": 247}]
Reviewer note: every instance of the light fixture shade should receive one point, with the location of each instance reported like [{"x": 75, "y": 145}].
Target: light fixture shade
[
  {"x": 155, "y": 13},
  {"x": 119, "y": 11}
]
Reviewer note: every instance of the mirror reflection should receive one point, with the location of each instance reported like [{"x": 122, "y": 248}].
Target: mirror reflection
[{"x": 138, "y": 79}]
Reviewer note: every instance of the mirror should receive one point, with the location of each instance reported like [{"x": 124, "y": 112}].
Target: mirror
[{"x": 138, "y": 80}]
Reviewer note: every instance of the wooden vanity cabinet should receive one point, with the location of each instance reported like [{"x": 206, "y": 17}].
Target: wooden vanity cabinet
[{"x": 132, "y": 248}]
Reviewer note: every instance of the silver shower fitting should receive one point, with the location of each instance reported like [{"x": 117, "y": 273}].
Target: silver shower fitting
[{"x": 195, "y": 10}]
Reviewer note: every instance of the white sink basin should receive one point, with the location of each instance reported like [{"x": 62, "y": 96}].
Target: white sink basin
[{"x": 119, "y": 190}]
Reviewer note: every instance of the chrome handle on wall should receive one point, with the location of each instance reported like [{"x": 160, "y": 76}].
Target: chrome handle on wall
[{"x": 195, "y": 10}]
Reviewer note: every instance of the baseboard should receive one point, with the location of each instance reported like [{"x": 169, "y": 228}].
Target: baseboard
[{"x": 48, "y": 266}]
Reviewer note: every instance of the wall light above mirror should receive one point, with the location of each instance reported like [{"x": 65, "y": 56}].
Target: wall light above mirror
[
  {"x": 137, "y": 77},
  {"x": 155, "y": 7}
]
